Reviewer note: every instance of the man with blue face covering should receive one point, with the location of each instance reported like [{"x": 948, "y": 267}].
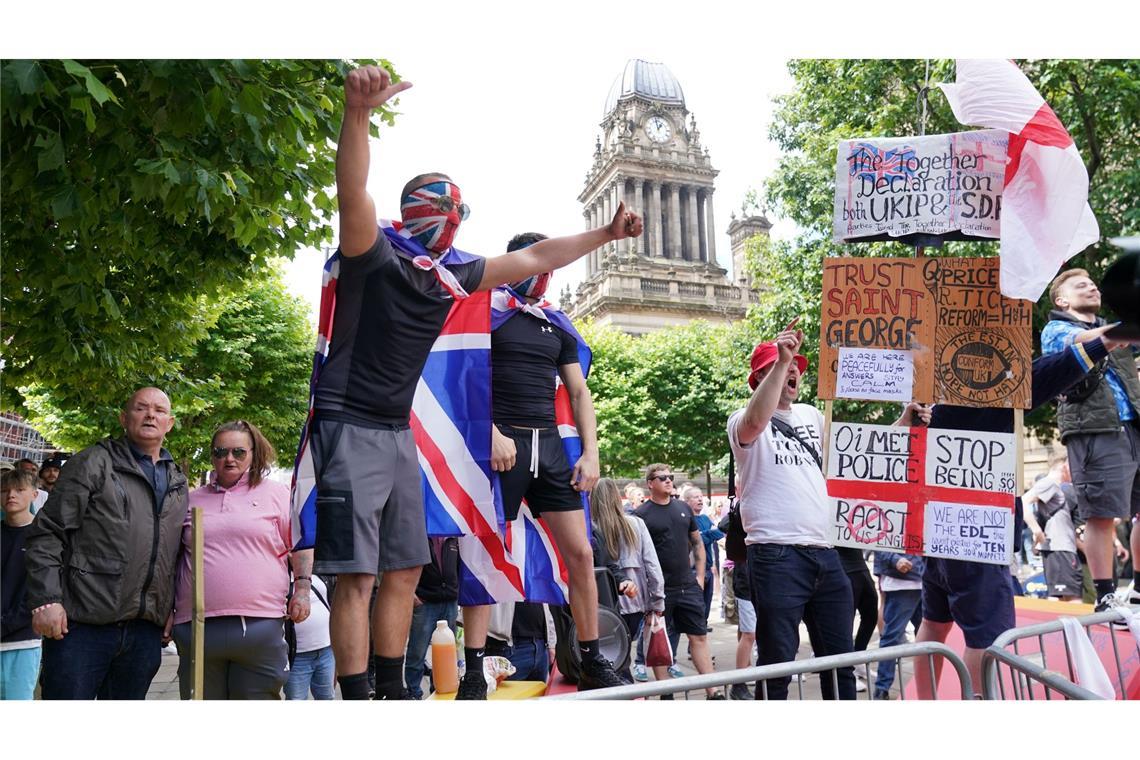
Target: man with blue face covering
[
  {"x": 395, "y": 283},
  {"x": 532, "y": 345}
]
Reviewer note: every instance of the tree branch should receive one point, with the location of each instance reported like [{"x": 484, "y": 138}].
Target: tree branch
[{"x": 1095, "y": 158}]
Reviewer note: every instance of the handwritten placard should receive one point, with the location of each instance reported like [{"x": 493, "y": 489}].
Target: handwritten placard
[
  {"x": 891, "y": 187},
  {"x": 882, "y": 479},
  {"x": 875, "y": 374},
  {"x": 968, "y": 532},
  {"x": 968, "y": 344}
]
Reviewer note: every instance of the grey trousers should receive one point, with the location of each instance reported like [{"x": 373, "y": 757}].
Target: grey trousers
[{"x": 246, "y": 658}]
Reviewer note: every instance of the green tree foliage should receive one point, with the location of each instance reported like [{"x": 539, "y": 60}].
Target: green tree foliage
[
  {"x": 1097, "y": 100},
  {"x": 135, "y": 193},
  {"x": 666, "y": 396},
  {"x": 252, "y": 364}
]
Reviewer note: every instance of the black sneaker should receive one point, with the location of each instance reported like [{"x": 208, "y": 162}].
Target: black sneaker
[
  {"x": 740, "y": 691},
  {"x": 472, "y": 686},
  {"x": 598, "y": 674},
  {"x": 714, "y": 696},
  {"x": 882, "y": 694},
  {"x": 1112, "y": 602}
]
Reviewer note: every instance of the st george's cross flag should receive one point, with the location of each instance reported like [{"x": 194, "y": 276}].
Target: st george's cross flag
[{"x": 1046, "y": 218}]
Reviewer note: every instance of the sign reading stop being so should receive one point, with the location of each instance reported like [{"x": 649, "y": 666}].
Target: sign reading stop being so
[{"x": 939, "y": 493}]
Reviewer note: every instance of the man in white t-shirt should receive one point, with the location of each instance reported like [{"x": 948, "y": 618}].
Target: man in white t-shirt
[
  {"x": 1049, "y": 515},
  {"x": 794, "y": 572}
]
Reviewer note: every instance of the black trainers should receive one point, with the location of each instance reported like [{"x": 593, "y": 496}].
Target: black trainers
[
  {"x": 740, "y": 691},
  {"x": 882, "y": 694},
  {"x": 472, "y": 686},
  {"x": 1112, "y": 602},
  {"x": 598, "y": 674},
  {"x": 714, "y": 696}
]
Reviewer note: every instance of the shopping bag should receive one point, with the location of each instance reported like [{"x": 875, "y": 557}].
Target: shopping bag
[{"x": 658, "y": 653}]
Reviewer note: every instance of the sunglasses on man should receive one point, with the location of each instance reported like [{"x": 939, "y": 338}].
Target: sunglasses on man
[
  {"x": 662, "y": 477},
  {"x": 221, "y": 452}
]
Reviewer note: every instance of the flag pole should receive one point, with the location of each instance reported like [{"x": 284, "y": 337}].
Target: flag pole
[{"x": 920, "y": 250}]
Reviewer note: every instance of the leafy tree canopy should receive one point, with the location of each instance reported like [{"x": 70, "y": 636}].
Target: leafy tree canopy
[{"x": 138, "y": 193}]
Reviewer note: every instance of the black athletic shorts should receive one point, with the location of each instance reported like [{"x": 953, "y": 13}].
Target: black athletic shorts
[
  {"x": 550, "y": 490},
  {"x": 685, "y": 611}
]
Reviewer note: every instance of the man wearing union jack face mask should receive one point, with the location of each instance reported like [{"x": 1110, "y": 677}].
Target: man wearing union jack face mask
[
  {"x": 533, "y": 344},
  {"x": 392, "y": 285}
]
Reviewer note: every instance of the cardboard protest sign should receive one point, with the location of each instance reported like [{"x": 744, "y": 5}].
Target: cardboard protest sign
[
  {"x": 939, "y": 327},
  {"x": 892, "y": 187},
  {"x": 983, "y": 345},
  {"x": 941, "y": 493}
]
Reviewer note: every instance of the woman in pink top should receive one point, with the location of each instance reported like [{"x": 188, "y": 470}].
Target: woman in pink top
[{"x": 247, "y": 543}]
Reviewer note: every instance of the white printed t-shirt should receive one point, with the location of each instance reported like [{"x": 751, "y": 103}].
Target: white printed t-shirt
[{"x": 783, "y": 496}]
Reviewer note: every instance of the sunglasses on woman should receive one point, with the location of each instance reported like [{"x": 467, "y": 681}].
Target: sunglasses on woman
[{"x": 221, "y": 452}]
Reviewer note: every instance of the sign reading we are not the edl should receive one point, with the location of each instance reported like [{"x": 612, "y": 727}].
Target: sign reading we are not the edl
[
  {"x": 929, "y": 329},
  {"x": 940, "y": 493}
]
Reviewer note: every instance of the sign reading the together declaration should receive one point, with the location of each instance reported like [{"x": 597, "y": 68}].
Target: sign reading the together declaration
[
  {"x": 889, "y": 187},
  {"x": 927, "y": 329},
  {"x": 939, "y": 493}
]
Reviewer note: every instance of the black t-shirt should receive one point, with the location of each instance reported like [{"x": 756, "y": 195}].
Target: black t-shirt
[
  {"x": 17, "y": 619},
  {"x": 529, "y": 622},
  {"x": 388, "y": 315},
  {"x": 670, "y": 526},
  {"x": 526, "y": 353}
]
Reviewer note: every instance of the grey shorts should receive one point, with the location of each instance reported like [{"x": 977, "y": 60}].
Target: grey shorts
[
  {"x": 370, "y": 506},
  {"x": 746, "y": 616},
  {"x": 1106, "y": 472}
]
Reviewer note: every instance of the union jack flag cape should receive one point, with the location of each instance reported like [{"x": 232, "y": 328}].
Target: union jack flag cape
[{"x": 451, "y": 423}]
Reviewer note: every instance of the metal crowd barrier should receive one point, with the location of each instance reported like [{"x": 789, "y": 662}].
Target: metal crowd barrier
[
  {"x": 1029, "y": 672},
  {"x": 723, "y": 679}
]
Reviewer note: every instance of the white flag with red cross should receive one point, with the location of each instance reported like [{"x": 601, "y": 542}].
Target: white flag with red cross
[{"x": 1046, "y": 218}]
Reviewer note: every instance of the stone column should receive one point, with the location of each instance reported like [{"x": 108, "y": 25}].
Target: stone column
[
  {"x": 656, "y": 246},
  {"x": 607, "y": 214},
  {"x": 621, "y": 246},
  {"x": 694, "y": 240},
  {"x": 710, "y": 226},
  {"x": 702, "y": 227},
  {"x": 592, "y": 264},
  {"x": 639, "y": 207},
  {"x": 674, "y": 221}
]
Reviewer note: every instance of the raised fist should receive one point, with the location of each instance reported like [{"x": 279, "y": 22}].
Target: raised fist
[{"x": 370, "y": 87}]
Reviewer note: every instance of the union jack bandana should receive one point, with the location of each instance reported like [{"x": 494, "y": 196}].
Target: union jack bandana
[
  {"x": 533, "y": 286},
  {"x": 408, "y": 247},
  {"x": 433, "y": 227}
]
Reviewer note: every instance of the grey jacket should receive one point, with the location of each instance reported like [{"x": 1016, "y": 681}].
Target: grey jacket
[
  {"x": 641, "y": 566},
  {"x": 98, "y": 545}
]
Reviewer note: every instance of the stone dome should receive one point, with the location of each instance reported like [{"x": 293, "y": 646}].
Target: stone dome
[{"x": 649, "y": 80}]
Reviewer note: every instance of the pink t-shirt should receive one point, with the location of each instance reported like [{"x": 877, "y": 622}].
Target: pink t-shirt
[{"x": 246, "y": 547}]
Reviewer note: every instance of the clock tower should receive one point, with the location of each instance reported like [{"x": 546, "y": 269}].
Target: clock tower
[{"x": 649, "y": 155}]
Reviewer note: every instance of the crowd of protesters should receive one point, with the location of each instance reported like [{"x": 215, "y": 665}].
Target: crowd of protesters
[{"x": 97, "y": 551}]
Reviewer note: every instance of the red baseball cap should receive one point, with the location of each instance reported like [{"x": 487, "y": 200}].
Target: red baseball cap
[{"x": 765, "y": 354}]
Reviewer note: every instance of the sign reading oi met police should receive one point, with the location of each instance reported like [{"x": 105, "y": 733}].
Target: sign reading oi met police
[
  {"x": 891, "y": 187},
  {"x": 934, "y": 330},
  {"x": 939, "y": 493}
]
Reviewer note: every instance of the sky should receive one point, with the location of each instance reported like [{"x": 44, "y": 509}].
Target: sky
[{"x": 515, "y": 125}]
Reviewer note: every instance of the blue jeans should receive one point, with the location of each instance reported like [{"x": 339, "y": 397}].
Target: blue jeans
[
  {"x": 313, "y": 671},
  {"x": 898, "y": 608},
  {"x": 424, "y": 617},
  {"x": 115, "y": 661},
  {"x": 530, "y": 659},
  {"x": 794, "y": 583}
]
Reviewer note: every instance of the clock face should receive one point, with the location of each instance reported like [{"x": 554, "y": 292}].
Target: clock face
[{"x": 658, "y": 129}]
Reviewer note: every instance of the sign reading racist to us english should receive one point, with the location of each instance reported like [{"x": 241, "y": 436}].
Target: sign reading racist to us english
[
  {"x": 891, "y": 187},
  {"x": 927, "y": 329},
  {"x": 940, "y": 493}
]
